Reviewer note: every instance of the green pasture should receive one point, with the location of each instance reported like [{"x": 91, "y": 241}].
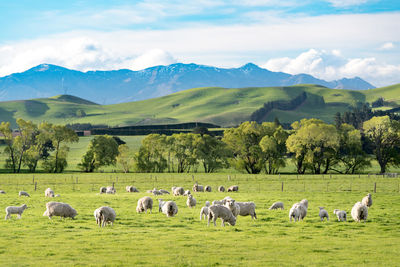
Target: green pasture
[{"x": 184, "y": 240}]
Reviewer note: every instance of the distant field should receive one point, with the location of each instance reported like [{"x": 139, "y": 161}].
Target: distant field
[{"x": 184, "y": 240}]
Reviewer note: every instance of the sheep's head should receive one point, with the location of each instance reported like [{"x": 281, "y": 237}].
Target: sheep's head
[
  {"x": 321, "y": 208},
  {"x": 336, "y": 211},
  {"x": 207, "y": 203},
  {"x": 24, "y": 206},
  {"x": 232, "y": 220}
]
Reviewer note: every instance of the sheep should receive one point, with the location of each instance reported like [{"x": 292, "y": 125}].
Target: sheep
[
  {"x": 294, "y": 213},
  {"x": 359, "y": 212},
  {"x": 103, "y": 190},
  {"x": 58, "y": 195},
  {"x": 221, "y": 188},
  {"x": 341, "y": 215},
  {"x": 218, "y": 211},
  {"x": 162, "y": 191},
  {"x": 144, "y": 204},
  {"x": 204, "y": 210},
  {"x": 187, "y": 192},
  {"x": 131, "y": 189},
  {"x": 191, "y": 201},
  {"x": 2, "y": 192},
  {"x": 104, "y": 215},
  {"x": 23, "y": 193},
  {"x": 277, "y": 205},
  {"x": 233, "y": 188},
  {"x": 15, "y": 210},
  {"x": 49, "y": 193},
  {"x": 299, "y": 210},
  {"x": 169, "y": 208},
  {"x": 218, "y": 202},
  {"x": 233, "y": 207},
  {"x": 207, "y": 188},
  {"x": 110, "y": 190},
  {"x": 59, "y": 209},
  {"x": 178, "y": 191},
  {"x": 156, "y": 192},
  {"x": 198, "y": 188},
  {"x": 367, "y": 200},
  {"x": 323, "y": 214},
  {"x": 247, "y": 208}
]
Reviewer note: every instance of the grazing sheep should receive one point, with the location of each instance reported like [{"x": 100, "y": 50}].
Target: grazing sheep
[
  {"x": 58, "y": 195},
  {"x": 277, "y": 205},
  {"x": 15, "y": 210},
  {"x": 233, "y": 188},
  {"x": 104, "y": 215},
  {"x": 23, "y": 193},
  {"x": 144, "y": 204},
  {"x": 131, "y": 189},
  {"x": 178, "y": 191},
  {"x": 294, "y": 213},
  {"x": 169, "y": 208},
  {"x": 103, "y": 190},
  {"x": 359, "y": 212},
  {"x": 233, "y": 207},
  {"x": 2, "y": 192},
  {"x": 156, "y": 192},
  {"x": 162, "y": 191},
  {"x": 198, "y": 188},
  {"x": 323, "y": 214},
  {"x": 367, "y": 200},
  {"x": 49, "y": 193},
  {"x": 110, "y": 190},
  {"x": 204, "y": 210},
  {"x": 341, "y": 215},
  {"x": 59, "y": 209},
  {"x": 218, "y": 211},
  {"x": 299, "y": 210},
  {"x": 191, "y": 201},
  {"x": 207, "y": 188},
  {"x": 187, "y": 192},
  {"x": 247, "y": 208},
  {"x": 221, "y": 188}
]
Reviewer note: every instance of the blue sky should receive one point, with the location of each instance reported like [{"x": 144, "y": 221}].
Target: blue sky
[{"x": 329, "y": 39}]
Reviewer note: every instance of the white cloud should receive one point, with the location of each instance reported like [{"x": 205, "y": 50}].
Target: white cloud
[
  {"x": 333, "y": 65},
  {"x": 387, "y": 46},
  {"x": 346, "y": 3},
  {"x": 151, "y": 58}
]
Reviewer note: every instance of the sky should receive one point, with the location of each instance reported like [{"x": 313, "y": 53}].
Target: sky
[{"x": 329, "y": 39}]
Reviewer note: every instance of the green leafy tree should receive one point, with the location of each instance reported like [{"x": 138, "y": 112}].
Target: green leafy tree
[
  {"x": 10, "y": 150},
  {"x": 183, "y": 151},
  {"x": 124, "y": 158},
  {"x": 102, "y": 151},
  {"x": 384, "y": 133},
  {"x": 151, "y": 154}
]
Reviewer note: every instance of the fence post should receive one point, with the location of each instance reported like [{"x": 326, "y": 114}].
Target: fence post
[
  {"x": 113, "y": 184},
  {"x": 375, "y": 187},
  {"x": 282, "y": 187},
  {"x": 192, "y": 178},
  {"x": 35, "y": 185}
]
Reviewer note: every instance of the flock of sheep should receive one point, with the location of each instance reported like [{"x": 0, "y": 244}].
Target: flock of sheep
[{"x": 226, "y": 209}]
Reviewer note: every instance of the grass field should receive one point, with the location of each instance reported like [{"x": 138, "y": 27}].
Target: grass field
[{"x": 184, "y": 240}]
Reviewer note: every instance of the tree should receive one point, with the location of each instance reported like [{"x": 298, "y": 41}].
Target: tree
[
  {"x": 102, "y": 151},
  {"x": 124, "y": 158},
  {"x": 183, "y": 150},
  {"x": 385, "y": 136},
  {"x": 80, "y": 113},
  {"x": 150, "y": 157},
  {"x": 11, "y": 161}
]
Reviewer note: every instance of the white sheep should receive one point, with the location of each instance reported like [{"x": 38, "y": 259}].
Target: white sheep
[
  {"x": 221, "y": 188},
  {"x": 162, "y": 191},
  {"x": 156, "y": 192},
  {"x": 187, "y": 192},
  {"x": 103, "y": 190},
  {"x": 58, "y": 195},
  {"x": 2, "y": 192},
  {"x": 359, "y": 212},
  {"x": 204, "y": 210},
  {"x": 294, "y": 213},
  {"x": 178, "y": 191},
  {"x": 23, "y": 193},
  {"x": 323, "y": 214},
  {"x": 59, "y": 209},
  {"x": 277, "y": 205},
  {"x": 169, "y": 208},
  {"x": 247, "y": 208},
  {"x": 299, "y": 210},
  {"x": 110, "y": 190},
  {"x": 191, "y": 201},
  {"x": 367, "y": 200},
  {"x": 341, "y": 215},
  {"x": 104, "y": 215},
  {"x": 144, "y": 204},
  {"x": 198, "y": 188},
  {"x": 15, "y": 210},
  {"x": 131, "y": 189},
  {"x": 233, "y": 207},
  {"x": 207, "y": 188},
  {"x": 218, "y": 211},
  {"x": 49, "y": 192},
  {"x": 233, "y": 188}
]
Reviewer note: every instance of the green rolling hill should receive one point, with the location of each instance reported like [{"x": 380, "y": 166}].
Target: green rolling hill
[{"x": 222, "y": 106}]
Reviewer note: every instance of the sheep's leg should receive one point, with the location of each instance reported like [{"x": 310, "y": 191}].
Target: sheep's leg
[
  {"x": 6, "y": 217},
  {"x": 255, "y": 215},
  {"x": 214, "y": 220},
  {"x": 223, "y": 222},
  {"x": 19, "y": 216}
]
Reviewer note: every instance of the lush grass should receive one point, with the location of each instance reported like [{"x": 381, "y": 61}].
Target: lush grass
[{"x": 153, "y": 239}]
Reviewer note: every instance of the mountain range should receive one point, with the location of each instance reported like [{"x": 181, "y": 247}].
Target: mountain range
[{"x": 119, "y": 86}]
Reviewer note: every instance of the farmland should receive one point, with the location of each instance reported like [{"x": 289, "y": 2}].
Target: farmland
[{"x": 153, "y": 239}]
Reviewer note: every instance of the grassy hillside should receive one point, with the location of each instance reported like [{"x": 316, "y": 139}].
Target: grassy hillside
[{"x": 222, "y": 106}]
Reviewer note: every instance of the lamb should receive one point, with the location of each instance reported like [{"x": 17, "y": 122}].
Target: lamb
[
  {"x": 299, "y": 210},
  {"x": 104, "y": 215},
  {"x": 103, "y": 190},
  {"x": 49, "y": 192},
  {"x": 218, "y": 211},
  {"x": 207, "y": 188},
  {"x": 323, "y": 214},
  {"x": 233, "y": 207},
  {"x": 23, "y": 193},
  {"x": 2, "y": 192},
  {"x": 359, "y": 212},
  {"x": 277, "y": 205},
  {"x": 341, "y": 215},
  {"x": 15, "y": 210},
  {"x": 59, "y": 209},
  {"x": 191, "y": 201},
  {"x": 178, "y": 191},
  {"x": 198, "y": 188},
  {"x": 169, "y": 208},
  {"x": 247, "y": 208},
  {"x": 221, "y": 188},
  {"x": 131, "y": 189},
  {"x": 294, "y": 213},
  {"x": 187, "y": 192},
  {"x": 144, "y": 204},
  {"x": 204, "y": 210},
  {"x": 110, "y": 190},
  {"x": 162, "y": 191},
  {"x": 233, "y": 188},
  {"x": 367, "y": 200}
]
